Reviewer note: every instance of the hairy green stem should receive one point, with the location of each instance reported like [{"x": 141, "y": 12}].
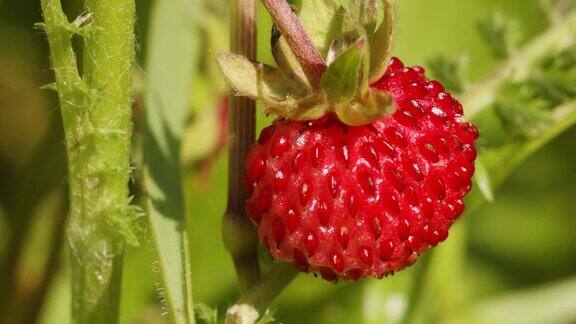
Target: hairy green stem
[
  {"x": 96, "y": 115},
  {"x": 238, "y": 232}
]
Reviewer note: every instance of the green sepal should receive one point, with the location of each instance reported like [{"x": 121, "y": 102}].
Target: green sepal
[
  {"x": 361, "y": 19},
  {"x": 375, "y": 104},
  {"x": 357, "y": 50},
  {"x": 341, "y": 80},
  {"x": 274, "y": 83},
  {"x": 378, "y": 103},
  {"x": 361, "y": 13},
  {"x": 482, "y": 180},
  {"x": 343, "y": 43},
  {"x": 353, "y": 114},
  {"x": 322, "y": 20},
  {"x": 280, "y": 93},
  {"x": 257, "y": 80},
  {"x": 286, "y": 60},
  {"x": 311, "y": 107},
  {"x": 239, "y": 73},
  {"x": 381, "y": 42}
]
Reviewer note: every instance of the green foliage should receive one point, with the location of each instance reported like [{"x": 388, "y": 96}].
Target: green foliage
[
  {"x": 323, "y": 22},
  {"x": 524, "y": 107},
  {"x": 207, "y": 314},
  {"x": 532, "y": 305},
  {"x": 482, "y": 180},
  {"x": 267, "y": 317},
  {"x": 535, "y": 112},
  {"x": 500, "y": 34},
  {"x": 345, "y": 37},
  {"x": 342, "y": 78},
  {"x": 170, "y": 64},
  {"x": 124, "y": 221},
  {"x": 381, "y": 42},
  {"x": 448, "y": 72}
]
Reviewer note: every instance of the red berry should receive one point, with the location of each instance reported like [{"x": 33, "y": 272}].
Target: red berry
[{"x": 349, "y": 202}]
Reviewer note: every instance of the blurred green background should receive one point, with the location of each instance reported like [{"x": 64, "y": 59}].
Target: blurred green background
[{"x": 524, "y": 240}]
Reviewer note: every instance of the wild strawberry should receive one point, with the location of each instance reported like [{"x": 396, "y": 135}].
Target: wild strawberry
[
  {"x": 369, "y": 161},
  {"x": 363, "y": 201}
]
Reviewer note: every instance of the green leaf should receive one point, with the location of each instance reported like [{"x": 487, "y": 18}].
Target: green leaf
[
  {"x": 501, "y": 34},
  {"x": 275, "y": 85},
  {"x": 240, "y": 74},
  {"x": 554, "y": 302},
  {"x": 361, "y": 13},
  {"x": 518, "y": 121},
  {"x": 482, "y": 180},
  {"x": 308, "y": 108},
  {"x": 206, "y": 313},
  {"x": 322, "y": 20},
  {"x": 341, "y": 79},
  {"x": 448, "y": 72},
  {"x": 170, "y": 64},
  {"x": 259, "y": 81},
  {"x": 500, "y": 161},
  {"x": 123, "y": 219},
  {"x": 381, "y": 42},
  {"x": 287, "y": 61},
  {"x": 343, "y": 43},
  {"x": 267, "y": 317}
]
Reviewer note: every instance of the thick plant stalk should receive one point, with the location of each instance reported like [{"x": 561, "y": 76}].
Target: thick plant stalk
[
  {"x": 238, "y": 232},
  {"x": 97, "y": 124}
]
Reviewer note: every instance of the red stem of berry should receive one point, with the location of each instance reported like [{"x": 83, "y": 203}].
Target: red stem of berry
[
  {"x": 238, "y": 232},
  {"x": 302, "y": 46}
]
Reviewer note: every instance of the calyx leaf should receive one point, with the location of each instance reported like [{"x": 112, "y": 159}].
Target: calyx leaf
[
  {"x": 341, "y": 81},
  {"x": 361, "y": 13},
  {"x": 373, "y": 105},
  {"x": 322, "y": 20},
  {"x": 286, "y": 59},
  {"x": 259, "y": 81},
  {"x": 355, "y": 43},
  {"x": 240, "y": 74},
  {"x": 381, "y": 42}
]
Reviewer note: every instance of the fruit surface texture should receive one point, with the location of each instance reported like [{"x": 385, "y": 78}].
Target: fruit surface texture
[{"x": 349, "y": 202}]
